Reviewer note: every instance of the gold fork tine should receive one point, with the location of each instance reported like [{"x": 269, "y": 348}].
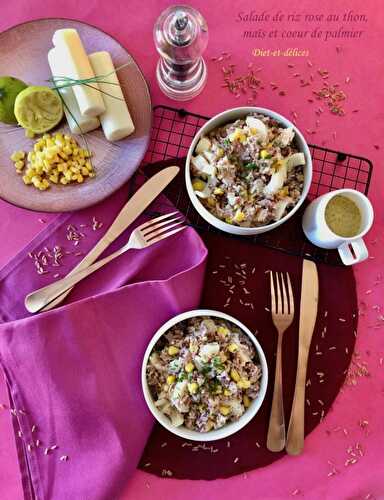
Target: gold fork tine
[
  {"x": 158, "y": 232},
  {"x": 273, "y": 298},
  {"x": 285, "y": 299},
  {"x": 157, "y": 219},
  {"x": 165, "y": 235},
  {"x": 146, "y": 230},
  {"x": 290, "y": 295},
  {"x": 279, "y": 302}
]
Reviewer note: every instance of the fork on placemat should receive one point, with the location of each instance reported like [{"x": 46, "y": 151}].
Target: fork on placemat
[
  {"x": 142, "y": 237},
  {"x": 282, "y": 309}
]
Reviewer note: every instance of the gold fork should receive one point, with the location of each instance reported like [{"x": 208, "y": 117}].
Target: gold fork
[
  {"x": 142, "y": 237},
  {"x": 282, "y": 309}
]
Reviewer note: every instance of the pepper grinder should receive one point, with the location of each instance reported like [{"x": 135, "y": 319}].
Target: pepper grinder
[{"x": 181, "y": 36}]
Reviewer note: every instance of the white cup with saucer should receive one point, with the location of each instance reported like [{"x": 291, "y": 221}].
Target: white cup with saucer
[{"x": 340, "y": 219}]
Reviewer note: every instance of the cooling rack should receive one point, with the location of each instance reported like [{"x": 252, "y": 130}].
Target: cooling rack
[{"x": 172, "y": 133}]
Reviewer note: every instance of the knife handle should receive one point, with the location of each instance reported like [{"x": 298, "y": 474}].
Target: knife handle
[{"x": 295, "y": 435}]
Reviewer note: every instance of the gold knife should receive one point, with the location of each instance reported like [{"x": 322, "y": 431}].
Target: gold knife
[
  {"x": 134, "y": 207},
  {"x": 308, "y": 313}
]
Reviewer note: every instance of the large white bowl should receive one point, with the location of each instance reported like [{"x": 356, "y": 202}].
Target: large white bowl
[
  {"x": 230, "y": 116},
  {"x": 227, "y": 429}
]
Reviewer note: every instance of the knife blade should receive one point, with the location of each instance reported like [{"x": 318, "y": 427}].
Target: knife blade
[
  {"x": 134, "y": 207},
  {"x": 308, "y": 313}
]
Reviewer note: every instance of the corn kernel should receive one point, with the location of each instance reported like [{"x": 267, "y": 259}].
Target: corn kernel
[
  {"x": 172, "y": 350},
  {"x": 63, "y": 180},
  {"x": 224, "y": 410},
  {"x": 227, "y": 392},
  {"x": 211, "y": 202},
  {"x": 264, "y": 154},
  {"x": 235, "y": 375},
  {"x": 29, "y": 134},
  {"x": 170, "y": 379},
  {"x": 228, "y": 220},
  {"x": 233, "y": 347},
  {"x": 243, "y": 384},
  {"x": 19, "y": 165},
  {"x": 239, "y": 216},
  {"x": 189, "y": 367},
  {"x": 54, "y": 179},
  {"x": 192, "y": 387},
  {"x": 246, "y": 401},
  {"x": 222, "y": 331},
  {"x": 218, "y": 191},
  {"x": 27, "y": 180},
  {"x": 198, "y": 185}
]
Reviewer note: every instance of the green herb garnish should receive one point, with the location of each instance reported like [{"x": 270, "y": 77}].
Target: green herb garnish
[
  {"x": 251, "y": 165},
  {"x": 217, "y": 364}
]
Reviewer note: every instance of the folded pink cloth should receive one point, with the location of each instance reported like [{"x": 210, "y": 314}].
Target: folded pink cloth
[{"x": 73, "y": 373}]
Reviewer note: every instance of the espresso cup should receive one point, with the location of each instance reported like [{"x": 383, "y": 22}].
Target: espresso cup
[{"x": 352, "y": 250}]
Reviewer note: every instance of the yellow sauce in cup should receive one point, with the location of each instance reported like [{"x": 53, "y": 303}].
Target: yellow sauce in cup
[{"x": 343, "y": 216}]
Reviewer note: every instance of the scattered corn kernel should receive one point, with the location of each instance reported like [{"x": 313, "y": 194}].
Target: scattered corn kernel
[
  {"x": 172, "y": 350},
  {"x": 19, "y": 165},
  {"x": 224, "y": 410},
  {"x": 189, "y": 367},
  {"x": 246, "y": 401},
  {"x": 218, "y": 191},
  {"x": 235, "y": 375},
  {"x": 192, "y": 387},
  {"x": 264, "y": 154},
  {"x": 170, "y": 379},
  {"x": 227, "y": 392},
  {"x": 233, "y": 347}
]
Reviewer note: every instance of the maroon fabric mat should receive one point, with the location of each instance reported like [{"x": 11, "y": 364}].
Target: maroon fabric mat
[{"x": 330, "y": 354}]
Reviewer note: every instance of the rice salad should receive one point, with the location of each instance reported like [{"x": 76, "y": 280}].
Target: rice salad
[
  {"x": 203, "y": 373},
  {"x": 248, "y": 173}
]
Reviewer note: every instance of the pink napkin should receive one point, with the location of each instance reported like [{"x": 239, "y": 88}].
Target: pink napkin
[{"x": 73, "y": 373}]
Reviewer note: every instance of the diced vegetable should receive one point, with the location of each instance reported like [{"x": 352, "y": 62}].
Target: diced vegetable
[{"x": 203, "y": 145}]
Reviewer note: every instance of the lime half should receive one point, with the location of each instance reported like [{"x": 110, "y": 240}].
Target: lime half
[
  {"x": 9, "y": 88},
  {"x": 38, "y": 109}
]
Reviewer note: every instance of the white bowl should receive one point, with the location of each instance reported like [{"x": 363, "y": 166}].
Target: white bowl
[
  {"x": 227, "y": 429},
  {"x": 230, "y": 116}
]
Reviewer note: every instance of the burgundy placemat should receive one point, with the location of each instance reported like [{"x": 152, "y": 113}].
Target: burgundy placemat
[{"x": 246, "y": 264}]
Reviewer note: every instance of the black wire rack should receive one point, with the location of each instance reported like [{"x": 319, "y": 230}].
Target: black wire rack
[{"x": 172, "y": 133}]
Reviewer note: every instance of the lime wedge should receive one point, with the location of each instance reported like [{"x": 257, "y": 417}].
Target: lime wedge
[{"x": 38, "y": 109}]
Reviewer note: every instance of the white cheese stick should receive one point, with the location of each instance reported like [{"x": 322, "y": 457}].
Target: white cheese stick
[
  {"x": 116, "y": 120},
  {"x": 77, "y": 122},
  {"x": 77, "y": 66}
]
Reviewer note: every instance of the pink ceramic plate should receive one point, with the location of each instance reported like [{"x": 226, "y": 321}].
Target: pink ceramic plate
[{"x": 24, "y": 51}]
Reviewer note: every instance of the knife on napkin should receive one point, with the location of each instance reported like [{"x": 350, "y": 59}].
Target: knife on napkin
[
  {"x": 134, "y": 207},
  {"x": 308, "y": 313}
]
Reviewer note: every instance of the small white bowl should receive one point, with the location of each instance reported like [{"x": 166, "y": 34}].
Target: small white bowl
[
  {"x": 228, "y": 429},
  {"x": 229, "y": 116}
]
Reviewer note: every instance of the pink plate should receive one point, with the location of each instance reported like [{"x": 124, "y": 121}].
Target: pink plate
[{"x": 24, "y": 51}]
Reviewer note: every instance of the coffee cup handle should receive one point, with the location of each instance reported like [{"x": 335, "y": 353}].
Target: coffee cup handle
[{"x": 352, "y": 252}]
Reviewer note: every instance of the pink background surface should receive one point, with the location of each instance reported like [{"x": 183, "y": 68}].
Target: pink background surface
[{"x": 131, "y": 23}]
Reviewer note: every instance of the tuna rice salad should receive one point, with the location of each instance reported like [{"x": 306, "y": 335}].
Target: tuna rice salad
[
  {"x": 248, "y": 173},
  {"x": 203, "y": 373}
]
